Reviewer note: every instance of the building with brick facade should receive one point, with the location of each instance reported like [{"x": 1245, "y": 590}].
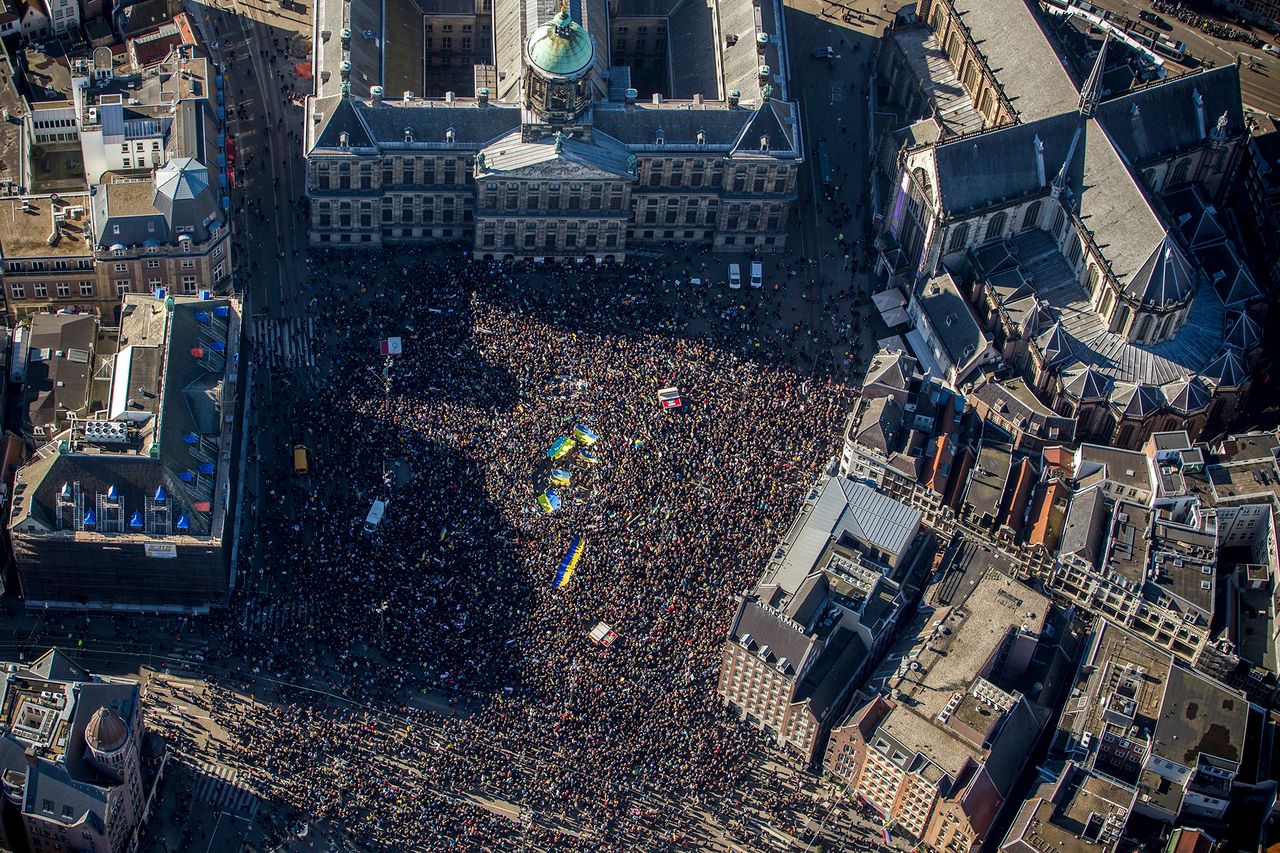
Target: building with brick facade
[
  {"x": 936, "y": 744},
  {"x": 521, "y": 130},
  {"x": 823, "y": 611},
  {"x": 47, "y": 247}
]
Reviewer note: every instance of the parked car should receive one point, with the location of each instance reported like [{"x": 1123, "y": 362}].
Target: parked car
[
  {"x": 757, "y": 274},
  {"x": 735, "y": 276},
  {"x": 1271, "y": 49},
  {"x": 827, "y": 53}
]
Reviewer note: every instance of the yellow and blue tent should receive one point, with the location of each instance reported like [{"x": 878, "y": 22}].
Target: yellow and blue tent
[
  {"x": 570, "y": 562},
  {"x": 584, "y": 435},
  {"x": 549, "y": 501},
  {"x": 561, "y": 447},
  {"x": 560, "y": 476}
]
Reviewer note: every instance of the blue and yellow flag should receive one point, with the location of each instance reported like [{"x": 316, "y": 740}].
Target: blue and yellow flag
[
  {"x": 570, "y": 562},
  {"x": 588, "y": 456},
  {"x": 561, "y": 447},
  {"x": 549, "y": 501},
  {"x": 584, "y": 435},
  {"x": 560, "y": 476}
]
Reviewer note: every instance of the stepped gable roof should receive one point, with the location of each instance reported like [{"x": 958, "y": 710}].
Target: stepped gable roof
[
  {"x": 1168, "y": 116},
  {"x": 1228, "y": 370},
  {"x": 1137, "y": 400},
  {"x": 1055, "y": 344},
  {"x": 1166, "y": 276},
  {"x": 1243, "y": 332},
  {"x": 1088, "y": 384},
  {"x": 1188, "y": 395}
]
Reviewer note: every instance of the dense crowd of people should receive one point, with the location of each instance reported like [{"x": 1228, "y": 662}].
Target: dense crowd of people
[{"x": 451, "y": 599}]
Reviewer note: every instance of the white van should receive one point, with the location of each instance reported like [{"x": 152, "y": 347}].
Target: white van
[
  {"x": 757, "y": 274},
  {"x": 735, "y": 276},
  {"x": 374, "y": 518}
]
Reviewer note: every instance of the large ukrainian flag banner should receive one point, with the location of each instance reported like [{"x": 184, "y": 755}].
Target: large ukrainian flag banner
[
  {"x": 570, "y": 562},
  {"x": 561, "y": 447},
  {"x": 549, "y": 501},
  {"x": 584, "y": 435},
  {"x": 560, "y": 476}
]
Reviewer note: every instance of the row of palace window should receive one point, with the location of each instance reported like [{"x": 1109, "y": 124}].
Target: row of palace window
[
  {"x": 63, "y": 289},
  {"x": 40, "y": 266}
]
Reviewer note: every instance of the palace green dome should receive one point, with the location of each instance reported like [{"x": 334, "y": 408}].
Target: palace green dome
[{"x": 561, "y": 47}]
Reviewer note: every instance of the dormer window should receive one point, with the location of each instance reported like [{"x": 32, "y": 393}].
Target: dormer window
[
  {"x": 408, "y": 135},
  {"x": 661, "y": 138},
  {"x": 764, "y": 143},
  {"x": 344, "y": 140},
  {"x": 449, "y": 136},
  {"x": 702, "y": 138}
]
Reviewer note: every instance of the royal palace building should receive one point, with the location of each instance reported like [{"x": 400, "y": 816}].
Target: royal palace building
[
  {"x": 1078, "y": 227},
  {"x": 526, "y": 129}
]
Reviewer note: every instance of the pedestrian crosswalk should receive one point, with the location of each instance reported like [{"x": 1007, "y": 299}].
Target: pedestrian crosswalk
[
  {"x": 283, "y": 343},
  {"x": 218, "y": 786},
  {"x": 275, "y": 617}
]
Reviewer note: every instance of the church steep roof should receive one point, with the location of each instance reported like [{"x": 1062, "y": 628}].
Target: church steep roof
[
  {"x": 1055, "y": 344},
  {"x": 1243, "y": 332},
  {"x": 1188, "y": 395},
  {"x": 1165, "y": 277},
  {"x": 1137, "y": 400},
  {"x": 1173, "y": 114},
  {"x": 1088, "y": 384},
  {"x": 1228, "y": 370}
]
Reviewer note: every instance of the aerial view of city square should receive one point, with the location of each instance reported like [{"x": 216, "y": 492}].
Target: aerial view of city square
[{"x": 596, "y": 426}]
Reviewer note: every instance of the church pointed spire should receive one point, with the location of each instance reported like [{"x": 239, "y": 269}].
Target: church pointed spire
[
  {"x": 1060, "y": 179},
  {"x": 1091, "y": 92}
]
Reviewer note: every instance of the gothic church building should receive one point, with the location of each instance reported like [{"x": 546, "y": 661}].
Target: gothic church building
[{"x": 1081, "y": 228}]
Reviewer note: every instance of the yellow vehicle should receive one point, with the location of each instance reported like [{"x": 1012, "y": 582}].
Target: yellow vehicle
[{"x": 299, "y": 459}]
